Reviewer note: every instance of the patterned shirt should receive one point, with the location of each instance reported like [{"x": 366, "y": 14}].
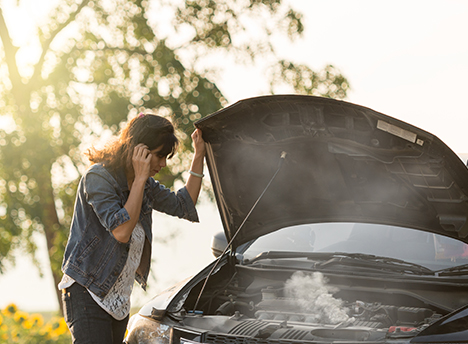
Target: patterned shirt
[{"x": 117, "y": 301}]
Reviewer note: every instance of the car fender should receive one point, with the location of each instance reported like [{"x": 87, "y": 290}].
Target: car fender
[
  {"x": 452, "y": 328},
  {"x": 161, "y": 301}
]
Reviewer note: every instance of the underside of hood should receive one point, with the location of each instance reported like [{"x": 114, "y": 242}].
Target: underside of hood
[{"x": 343, "y": 163}]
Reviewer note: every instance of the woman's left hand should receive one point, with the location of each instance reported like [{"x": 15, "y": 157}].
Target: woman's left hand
[{"x": 198, "y": 143}]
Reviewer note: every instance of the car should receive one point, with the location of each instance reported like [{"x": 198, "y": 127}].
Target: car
[{"x": 341, "y": 225}]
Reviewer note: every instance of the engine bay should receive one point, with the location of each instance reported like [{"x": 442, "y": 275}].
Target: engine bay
[{"x": 307, "y": 306}]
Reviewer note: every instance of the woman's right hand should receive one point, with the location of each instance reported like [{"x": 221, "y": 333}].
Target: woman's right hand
[{"x": 141, "y": 161}]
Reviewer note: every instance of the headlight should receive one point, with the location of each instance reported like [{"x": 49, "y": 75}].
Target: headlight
[{"x": 142, "y": 330}]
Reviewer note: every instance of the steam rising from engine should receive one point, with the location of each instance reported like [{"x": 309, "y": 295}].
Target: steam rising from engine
[{"x": 313, "y": 296}]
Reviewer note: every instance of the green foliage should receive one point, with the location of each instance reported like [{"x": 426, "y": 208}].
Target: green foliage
[
  {"x": 102, "y": 62},
  {"x": 327, "y": 83}
]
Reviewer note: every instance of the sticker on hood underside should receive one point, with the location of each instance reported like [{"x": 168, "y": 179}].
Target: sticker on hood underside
[{"x": 397, "y": 131}]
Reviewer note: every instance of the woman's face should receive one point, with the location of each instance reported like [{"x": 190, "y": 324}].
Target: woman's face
[{"x": 158, "y": 161}]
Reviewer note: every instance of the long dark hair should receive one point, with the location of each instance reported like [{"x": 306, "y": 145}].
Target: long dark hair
[{"x": 152, "y": 130}]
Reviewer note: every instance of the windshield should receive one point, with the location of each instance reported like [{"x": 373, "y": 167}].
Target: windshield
[{"x": 430, "y": 250}]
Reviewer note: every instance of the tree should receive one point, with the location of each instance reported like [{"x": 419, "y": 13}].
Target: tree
[{"x": 102, "y": 62}]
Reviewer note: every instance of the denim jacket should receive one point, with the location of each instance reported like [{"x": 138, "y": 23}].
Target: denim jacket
[{"x": 93, "y": 257}]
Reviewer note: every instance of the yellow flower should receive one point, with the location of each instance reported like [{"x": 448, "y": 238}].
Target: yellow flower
[
  {"x": 1, "y": 320},
  {"x": 36, "y": 319},
  {"x": 15, "y": 335},
  {"x": 27, "y": 324},
  {"x": 59, "y": 327},
  {"x": 20, "y": 316},
  {"x": 10, "y": 309},
  {"x": 46, "y": 330}
]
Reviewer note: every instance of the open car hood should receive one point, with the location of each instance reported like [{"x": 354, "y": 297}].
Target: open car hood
[{"x": 343, "y": 163}]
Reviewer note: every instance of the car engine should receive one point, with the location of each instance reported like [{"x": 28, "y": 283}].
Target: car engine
[{"x": 272, "y": 311}]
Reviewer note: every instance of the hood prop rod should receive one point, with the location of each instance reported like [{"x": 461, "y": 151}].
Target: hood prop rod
[{"x": 282, "y": 158}]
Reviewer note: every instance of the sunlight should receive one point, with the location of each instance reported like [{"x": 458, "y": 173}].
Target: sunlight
[
  {"x": 23, "y": 32},
  {"x": 7, "y": 124}
]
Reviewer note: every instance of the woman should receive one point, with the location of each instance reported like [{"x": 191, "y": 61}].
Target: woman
[{"x": 110, "y": 237}]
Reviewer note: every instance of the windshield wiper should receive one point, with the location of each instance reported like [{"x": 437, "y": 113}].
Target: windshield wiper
[
  {"x": 336, "y": 258},
  {"x": 459, "y": 270},
  {"x": 285, "y": 254},
  {"x": 370, "y": 260}
]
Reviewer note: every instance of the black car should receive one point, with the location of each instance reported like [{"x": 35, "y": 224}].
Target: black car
[{"x": 343, "y": 226}]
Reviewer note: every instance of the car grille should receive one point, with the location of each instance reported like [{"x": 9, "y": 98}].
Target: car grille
[
  {"x": 213, "y": 338},
  {"x": 250, "y": 332}
]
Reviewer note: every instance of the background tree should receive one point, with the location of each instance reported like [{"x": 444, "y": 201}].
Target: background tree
[{"x": 102, "y": 62}]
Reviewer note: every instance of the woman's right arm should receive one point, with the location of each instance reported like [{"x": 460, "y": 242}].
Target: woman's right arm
[
  {"x": 102, "y": 195},
  {"x": 141, "y": 160}
]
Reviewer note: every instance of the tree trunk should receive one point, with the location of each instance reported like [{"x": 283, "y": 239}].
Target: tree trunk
[{"x": 51, "y": 227}]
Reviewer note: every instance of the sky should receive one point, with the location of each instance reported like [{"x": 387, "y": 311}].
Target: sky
[{"x": 406, "y": 59}]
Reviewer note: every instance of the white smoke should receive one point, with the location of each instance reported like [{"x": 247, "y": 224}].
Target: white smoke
[{"x": 312, "y": 295}]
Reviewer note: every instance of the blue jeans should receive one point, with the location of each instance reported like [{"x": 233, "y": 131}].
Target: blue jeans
[{"x": 87, "y": 321}]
